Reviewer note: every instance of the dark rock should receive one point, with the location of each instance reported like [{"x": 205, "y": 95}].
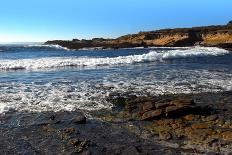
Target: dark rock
[
  {"x": 230, "y": 23},
  {"x": 74, "y": 142},
  {"x": 186, "y": 125},
  {"x": 52, "y": 117},
  {"x": 211, "y": 118},
  {"x": 152, "y": 114},
  {"x": 69, "y": 130},
  {"x": 130, "y": 151},
  {"x": 86, "y": 152},
  {"x": 79, "y": 120},
  {"x": 136, "y": 100},
  {"x": 171, "y": 109},
  {"x": 162, "y": 104},
  {"x": 212, "y": 153}
]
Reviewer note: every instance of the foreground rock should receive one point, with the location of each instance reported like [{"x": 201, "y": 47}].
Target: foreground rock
[
  {"x": 216, "y": 36},
  {"x": 169, "y": 124},
  {"x": 201, "y": 122},
  {"x": 69, "y": 133}
]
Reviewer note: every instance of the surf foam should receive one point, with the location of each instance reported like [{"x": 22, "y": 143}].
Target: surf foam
[
  {"x": 66, "y": 94},
  {"x": 58, "y": 62},
  {"x": 46, "y": 46}
]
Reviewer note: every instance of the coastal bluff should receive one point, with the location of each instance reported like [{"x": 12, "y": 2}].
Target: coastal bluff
[{"x": 212, "y": 36}]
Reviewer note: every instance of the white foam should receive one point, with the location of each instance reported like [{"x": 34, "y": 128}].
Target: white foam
[
  {"x": 57, "y": 62},
  {"x": 4, "y": 108},
  {"x": 51, "y": 98},
  {"x": 49, "y": 46},
  {"x": 92, "y": 95},
  {"x": 81, "y": 93},
  {"x": 91, "y": 48}
]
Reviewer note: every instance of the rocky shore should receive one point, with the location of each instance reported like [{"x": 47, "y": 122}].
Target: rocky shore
[
  {"x": 168, "y": 124},
  {"x": 213, "y": 36}
]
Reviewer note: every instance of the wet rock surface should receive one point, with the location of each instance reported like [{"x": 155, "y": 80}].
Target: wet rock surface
[
  {"x": 68, "y": 133},
  {"x": 198, "y": 122},
  {"x": 169, "y": 124}
]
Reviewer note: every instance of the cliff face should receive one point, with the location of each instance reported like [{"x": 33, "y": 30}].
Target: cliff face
[{"x": 218, "y": 36}]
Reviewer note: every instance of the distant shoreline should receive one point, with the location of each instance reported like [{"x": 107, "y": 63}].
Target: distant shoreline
[{"x": 208, "y": 36}]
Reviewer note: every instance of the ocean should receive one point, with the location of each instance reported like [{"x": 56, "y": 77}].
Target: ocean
[{"x": 36, "y": 77}]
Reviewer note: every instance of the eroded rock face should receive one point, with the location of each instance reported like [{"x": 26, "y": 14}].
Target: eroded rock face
[
  {"x": 219, "y": 36},
  {"x": 160, "y": 109}
]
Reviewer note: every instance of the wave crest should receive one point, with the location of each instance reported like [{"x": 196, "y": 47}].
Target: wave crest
[
  {"x": 15, "y": 47},
  {"x": 57, "y": 62},
  {"x": 46, "y": 46}
]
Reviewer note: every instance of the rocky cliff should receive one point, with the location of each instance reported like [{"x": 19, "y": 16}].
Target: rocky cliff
[{"x": 218, "y": 36}]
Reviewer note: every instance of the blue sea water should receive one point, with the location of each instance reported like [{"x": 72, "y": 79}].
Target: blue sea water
[{"x": 36, "y": 77}]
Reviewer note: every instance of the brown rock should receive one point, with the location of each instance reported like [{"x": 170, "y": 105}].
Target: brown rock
[
  {"x": 163, "y": 122},
  {"x": 227, "y": 135},
  {"x": 178, "y": 124},
  {"x": 219, "y": 36},
  {"x": 199, "y": 135},
  {"x": 211, "y": 118},
  {"x": 69, "y": 130},
  {"x": 74, "y": 142},
  {"x": 200, "y": 126},
  {"x": 171, "y": 109},
  {"x": 162, "y": 104},
  {"x": 182, "y": 102},
  {"x": 147, "y": 106},
  {"x": 164, "y": 136},
  {"x": 189, "y": 117},
  {"x": 152, "y": 114}
]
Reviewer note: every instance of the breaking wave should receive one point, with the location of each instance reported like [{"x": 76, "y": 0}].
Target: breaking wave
[
  {"x": 152, "y": 56},
  {"x": 16, "y": 47},
  {"x": 45, "y": 46}
]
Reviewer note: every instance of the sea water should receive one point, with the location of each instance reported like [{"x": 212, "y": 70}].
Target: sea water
[{"x": 36, "y": 77}]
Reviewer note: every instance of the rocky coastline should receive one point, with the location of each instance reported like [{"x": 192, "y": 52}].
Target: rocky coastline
[
  {"x": 209, "y": 36},
  {"x": 167, "y": 124}
]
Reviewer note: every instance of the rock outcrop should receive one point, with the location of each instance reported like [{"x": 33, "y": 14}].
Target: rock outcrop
[
  {"x": 200, "y": 122},
  {"x": 216, "y": 36},
  {"x": 178, "y": 124}
]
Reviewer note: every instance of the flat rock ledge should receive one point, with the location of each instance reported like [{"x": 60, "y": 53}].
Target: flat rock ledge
[
  {"x": 198, "y": 122},
  {"x": 168, "y": 124}
]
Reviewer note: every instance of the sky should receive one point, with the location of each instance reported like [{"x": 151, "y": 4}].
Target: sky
[{"x": 42, "y": 20}]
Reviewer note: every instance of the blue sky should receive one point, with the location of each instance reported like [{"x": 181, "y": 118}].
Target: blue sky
[{"x": 41, "y": 20}]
